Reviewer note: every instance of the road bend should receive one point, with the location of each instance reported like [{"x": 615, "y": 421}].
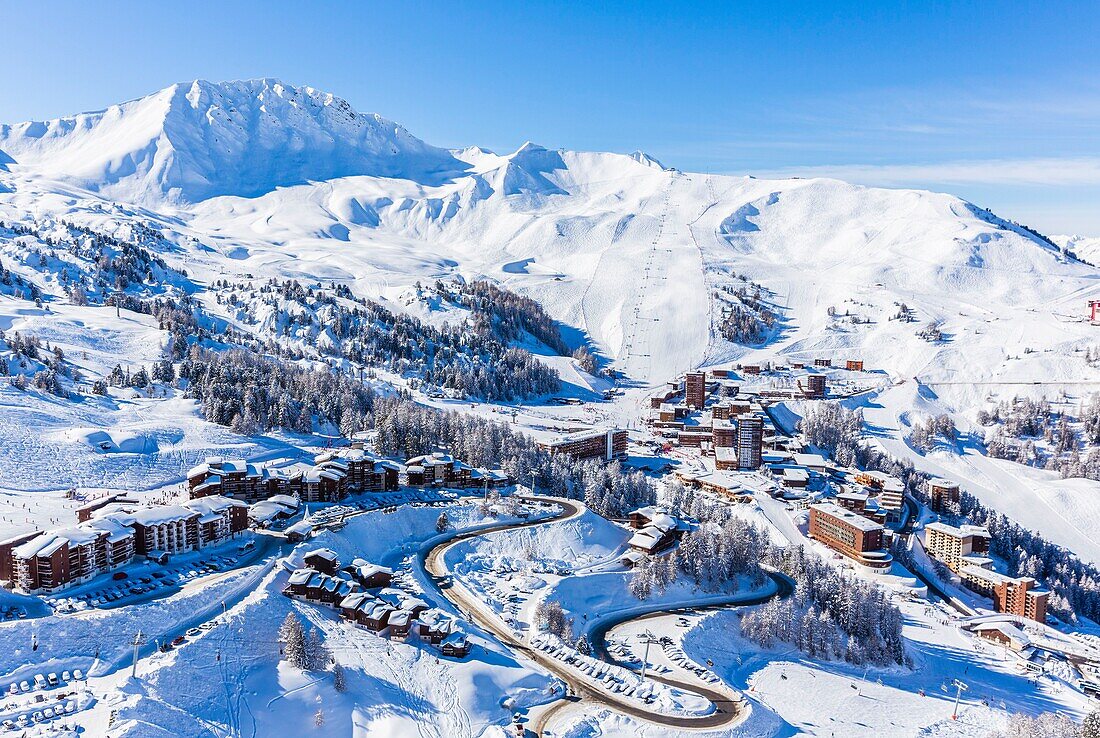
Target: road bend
[{"x": 728, "y": 708}]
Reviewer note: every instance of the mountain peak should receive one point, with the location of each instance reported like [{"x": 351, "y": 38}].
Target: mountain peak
[{"x": 200, "y": 139}]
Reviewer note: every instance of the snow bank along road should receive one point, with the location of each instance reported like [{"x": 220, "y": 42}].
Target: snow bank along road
[{"x": 727, "y": 711}]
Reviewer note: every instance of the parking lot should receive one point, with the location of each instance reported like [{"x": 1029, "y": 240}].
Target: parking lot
[
  {"x": 44, "y": 699},
  {"x": 141, "y": 584}
]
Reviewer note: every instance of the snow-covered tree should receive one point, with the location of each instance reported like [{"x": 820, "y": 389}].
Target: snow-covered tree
[{"x": 293, "y": 636}]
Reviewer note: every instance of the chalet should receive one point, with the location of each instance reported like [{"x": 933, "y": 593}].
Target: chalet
[
  {"x": 455, "y": 646},
  {"x": 299, "y": 532},
  {"x": 657, "y": 532},
  {"x": 434, "y": 625},
  {"x": 322, "y": 560},
  {"x": 401, "y": 600},
  {"x": 400, "y": 623},
  {"x": 298, "y": 583},
  {"x": 437, "y": 470},
  {"x": 350, "y": 605},
  {"x": 632, "y": 558},
  {"x": 370, "y": 576},
  {"x": 377, "y": 616}
]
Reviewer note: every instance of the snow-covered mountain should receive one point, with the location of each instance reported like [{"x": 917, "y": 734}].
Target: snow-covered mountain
[
  {"x": 1083, "y": 247},
  {"x": 191, "y": 141},
  {"x": 644, "y": 263}
]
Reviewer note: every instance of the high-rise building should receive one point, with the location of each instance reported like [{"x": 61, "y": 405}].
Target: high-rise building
[
  {"x": 815, "y": 385},
  {"x": 1015, "y": 595},
  {"x": 944, "y": 494},
  {"x": 956, "y": 546},
  {"x": 750, "y": 442},
  {"x": 695, "y": 389}
]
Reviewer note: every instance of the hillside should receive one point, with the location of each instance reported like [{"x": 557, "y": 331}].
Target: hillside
[{"x": 654, "y": 269}]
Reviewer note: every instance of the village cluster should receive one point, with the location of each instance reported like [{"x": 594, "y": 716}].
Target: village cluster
[
  {"x": 856, "y": 513},
  {"x": 229, "y": 496},
  {"x": 361, "y": 593}
]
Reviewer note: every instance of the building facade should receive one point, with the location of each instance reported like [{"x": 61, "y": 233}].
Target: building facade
[
  {"x": 850, "y": 534},
  {"x": 956, "y": 546},
  {"x": 1015, "y": 595},
  {"x": 595, "y": 444},
  {"x": 695, "y": 390},
  {"x": 750, "y": 442}
]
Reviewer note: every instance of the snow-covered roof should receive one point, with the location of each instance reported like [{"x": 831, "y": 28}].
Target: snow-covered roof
[
  {"x": 115, "y": 530},
  {"x": 213, "y": 504},
  {"x": 301, "y": 576},
  {"x": 43, "y": 545},
  {"x": 853, "y": 519},
  {"x": 1009, "y": 630},
  {"x": 302, "y": 527},
  {"x": 811, "y": 460},
  {"x": 354, "y": 601},
  {"x": 435, "y": 619},
  {"x": 960, "y": 532},
  {"x": 159, "y": 514},
  {"x": 646, "y": 539},
  {"x": 322, "y": 553},
  {"x": 434, "y": 459}
]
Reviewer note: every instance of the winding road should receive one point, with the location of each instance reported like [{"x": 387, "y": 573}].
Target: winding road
[{"x": 728, "y": 704}]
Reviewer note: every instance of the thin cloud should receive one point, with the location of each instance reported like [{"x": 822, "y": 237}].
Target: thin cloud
[{"x": 1062, "y": 172}]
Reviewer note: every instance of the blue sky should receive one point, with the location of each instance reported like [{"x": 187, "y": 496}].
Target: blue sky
[{"x": 997, "y": 101}]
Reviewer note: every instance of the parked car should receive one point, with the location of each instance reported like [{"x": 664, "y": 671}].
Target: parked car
[
  {"x": 40, "y": 682},
  {"x": 119, "y": 576},
  {"x": 53, "y": 679}
]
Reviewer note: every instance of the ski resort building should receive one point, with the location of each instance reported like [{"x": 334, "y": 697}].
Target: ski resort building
[
  {"x": 957, "y": 547},
  {"x": 363, "y": 472},
  {"x": 594, "y": 444},
  {"x": 437, "y": 470},
  {"x": 230, "y": 477},
  {"x": 944, "y": 495},
  {"x": 1015, "y": 595},
  {"x": 656, "y": 530},
  {"x": 854, "y": 365},
  {"x": 750, "y": 442},
  {"x": 695, "y": 390},
  {"x": 850, "y": 534},
  {"x": 52, "y": 561},
  {"x": 815, "y": 386}
]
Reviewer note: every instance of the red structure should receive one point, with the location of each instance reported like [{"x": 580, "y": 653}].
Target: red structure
[{"x": 1094, "y": 309}]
